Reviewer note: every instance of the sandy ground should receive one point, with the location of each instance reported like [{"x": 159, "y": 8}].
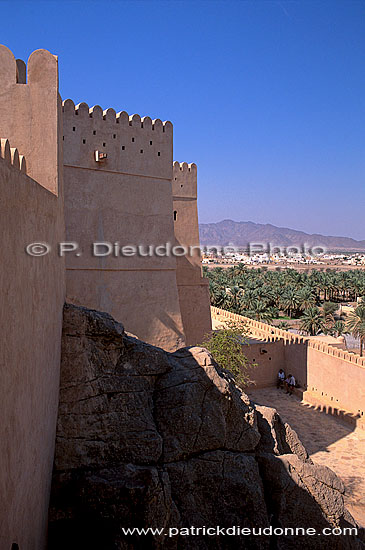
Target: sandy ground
[{"x": 328, "y": 441}]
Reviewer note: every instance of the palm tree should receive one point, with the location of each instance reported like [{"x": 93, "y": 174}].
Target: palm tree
[
  {"x": 338, "y": 328},
  {"x": 312, "y": 321},
  {"x": 234, "y": 298},
  {"x": 289, "y": 300},
  {"x": 355, "y": 324},
  {"x": 260, "y": 312},
  {"x": 240, "y": 270},
  {"x": 306, "y": 298},
  {"x": 218, "y": 297},
  {"x": 238, "y": 288},
  {"x": 329, "y": 309},
  {"x": 248, "y": 299}
]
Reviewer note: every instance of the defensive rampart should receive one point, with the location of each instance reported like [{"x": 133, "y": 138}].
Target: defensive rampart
[
  {"x": 32, "y": 296},
  {"x": 328, "y": 375},
  {"x": 193, "y": 288},
  {"x": 32, "y": 293},
  {"x": 125, "y": 197}
]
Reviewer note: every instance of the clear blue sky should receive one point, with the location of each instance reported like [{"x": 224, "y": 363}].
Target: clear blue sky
[{"x": 267, "y": 97}]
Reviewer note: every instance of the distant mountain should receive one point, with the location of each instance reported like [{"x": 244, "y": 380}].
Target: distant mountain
[{"x": 242, "y": 233}]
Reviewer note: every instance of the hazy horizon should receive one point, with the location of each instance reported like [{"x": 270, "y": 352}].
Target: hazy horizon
[{"x": 281, "y": 227}]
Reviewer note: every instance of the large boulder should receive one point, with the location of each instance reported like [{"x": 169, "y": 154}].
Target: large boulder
[
  {"x": 148, "y": 439},
  {"x": 276, "y": 436}
]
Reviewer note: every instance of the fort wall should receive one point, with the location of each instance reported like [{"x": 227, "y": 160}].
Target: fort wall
[
  {"x": 29, "y": 101},
  {"x": 126, "y": 199},
  {"x": 32, "y": 297},
  {"x": 326, "y": 374},
  {"x": 193, "y": 288},
  {"x": 269, "y": 358},
  {"x": 118, "y": 174}
]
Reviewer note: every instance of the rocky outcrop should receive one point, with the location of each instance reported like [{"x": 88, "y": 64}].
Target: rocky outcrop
[{"x": 148, "y": 439}]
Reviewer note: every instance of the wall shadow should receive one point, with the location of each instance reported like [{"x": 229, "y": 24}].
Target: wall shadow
[{"x": 316, "y": 429}]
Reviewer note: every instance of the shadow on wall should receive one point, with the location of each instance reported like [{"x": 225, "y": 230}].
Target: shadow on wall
[
  {"x": 303, "y": 418},
  {"x": 272, "y": 356},
  {"x": 147, "y": 438},
  {"x": 167, "y": 320},
  {"x": 331, "y": 378}
]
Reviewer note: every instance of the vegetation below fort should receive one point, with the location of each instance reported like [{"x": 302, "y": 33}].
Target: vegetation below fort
[{"x": 311, "y": 302}]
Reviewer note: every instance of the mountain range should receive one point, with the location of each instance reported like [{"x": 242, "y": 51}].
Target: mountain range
[{"x": 229, "y": 232}]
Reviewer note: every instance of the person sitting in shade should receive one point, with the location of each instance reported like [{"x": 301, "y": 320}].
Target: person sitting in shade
[
  {"x": 280, "y": 380},
  {"x": 290, "y": 384}
]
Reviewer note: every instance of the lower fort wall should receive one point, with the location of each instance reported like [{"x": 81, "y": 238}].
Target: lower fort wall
[
  {"x": 336, "y": 381},
  {"x": 33, "y": 293},
  {"x": 327, "y": 375},
  {"x": 194, "y": 306},
  {"x": 269, "y": 358}
]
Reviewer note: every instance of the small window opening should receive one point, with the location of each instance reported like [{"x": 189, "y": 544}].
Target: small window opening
[
  {"x": 94, "y": 133},
  {"x": 132, "y": 139},
  {"x": 181, "y": 185},
  {"x": 123, "y": 147},
  {"x": 15, "y": 546},
  {"x": 150, "y": 142},
  {"x": 74, "y": 129},
  {"x": 104, "y": 144},
  {"x": 114, "y": 136},
  {"x": 63, "y": 138},
  {"x": 175, "y": 215},
  {"x": 130, "y": 123},
  {"x": 84, "y": 141},
  {"x": 141, "y": 151},
  {"x": 159, "y": 154}
]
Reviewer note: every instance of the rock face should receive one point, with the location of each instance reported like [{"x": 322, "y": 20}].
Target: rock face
[{"x": 149, "y": 439}]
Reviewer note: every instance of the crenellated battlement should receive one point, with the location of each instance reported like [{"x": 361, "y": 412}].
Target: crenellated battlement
[
  {"x": 110, "y": 115},
  {"x": 184, "y": 167},
  {"x": 133, "y": 144},
  {"x": 122, "y": 118},
  {"x": 29, "y": 112},
  {"x": 184, "y": 180},
  {"x": 38, "y": 70},
  {"x": 11, "y": 155},
  {"x": 269, "y": 333}
]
